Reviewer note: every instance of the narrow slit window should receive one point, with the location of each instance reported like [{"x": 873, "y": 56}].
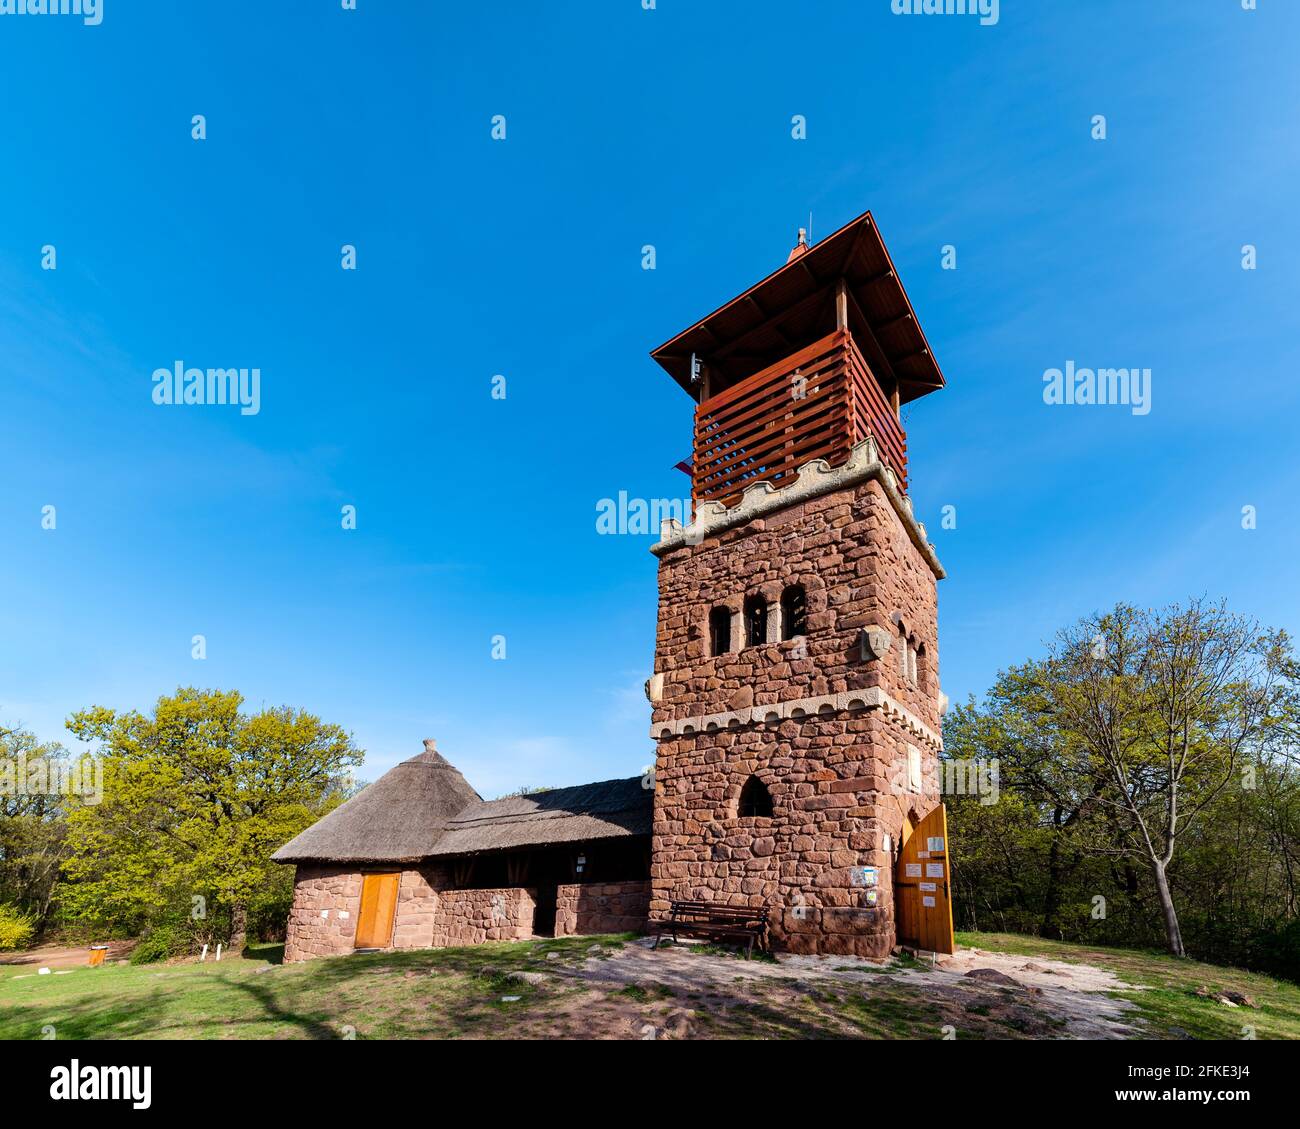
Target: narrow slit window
[
  {"x": 719, "y": 631},
  {"x": 755, "y": 800},
  {"x": 794, "y": 612},
  {"x": 755, "y": 621}
]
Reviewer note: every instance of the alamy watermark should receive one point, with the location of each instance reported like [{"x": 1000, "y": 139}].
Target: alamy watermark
[
  {"x": 1106, "y": 386},
  {"x": 90, "y": 11},
  {"x": 987, "y": 10},
  {"x": 81, "y": 778},
  {"x": 196, "y": 386},
  {"x": 634, "y": 516},
  {"x": 975, "y": 777}
]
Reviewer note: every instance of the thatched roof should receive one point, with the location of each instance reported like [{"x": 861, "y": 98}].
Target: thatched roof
[
  {"x": 608, "y": 810},
  {"x": 424, "y": 808},
  {"x": 398, "y": 818}
]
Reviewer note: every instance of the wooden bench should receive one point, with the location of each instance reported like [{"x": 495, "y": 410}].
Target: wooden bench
[{"x": 710, "y": 919}]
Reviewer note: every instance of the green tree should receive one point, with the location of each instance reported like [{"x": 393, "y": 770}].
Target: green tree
[
  {"x": 1168, "y": 705},
  {"x": 196, "y": 799},
  {"x": 1149, "y": 758},
  {"x": 32, "y": 826}
]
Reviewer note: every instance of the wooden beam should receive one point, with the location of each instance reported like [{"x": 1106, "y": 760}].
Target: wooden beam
[
  {"x": 892, "y": 322},
  {"x": 878, "y": 358},
  {"x": 909, "y": 356},
  {"x": 801, "y": 306}
]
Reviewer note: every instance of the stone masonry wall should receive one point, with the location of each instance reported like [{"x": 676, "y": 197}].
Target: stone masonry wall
[
  {"x": 417, "y": 907},
  {"x": 469, "y": 917},
  {"x": 840, "y": 781},
  {"x": 323, "y": 919},
  {"x": 602, "y": 907},
  {"x": 859, "y": 567}
]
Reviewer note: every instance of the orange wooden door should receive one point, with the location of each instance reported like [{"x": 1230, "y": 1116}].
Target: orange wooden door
[
  {"x": 923, "y": 886},
  {"x": 378, "y": 905}
]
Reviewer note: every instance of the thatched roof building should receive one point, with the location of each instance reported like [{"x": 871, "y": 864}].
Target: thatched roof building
[
  {"x": 424, "y": 808},
  {"x": 608, "y": 810},
  {"x": 398, "y": 818}
]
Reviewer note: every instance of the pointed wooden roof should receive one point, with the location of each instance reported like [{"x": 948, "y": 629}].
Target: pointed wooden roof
[{"x": 795, "y": 305}]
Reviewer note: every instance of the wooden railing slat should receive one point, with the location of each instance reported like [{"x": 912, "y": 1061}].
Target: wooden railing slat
[{"x": 758, "y": 430}]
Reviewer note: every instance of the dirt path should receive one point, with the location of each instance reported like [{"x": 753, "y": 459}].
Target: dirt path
[{"x": 64, "y": 956}]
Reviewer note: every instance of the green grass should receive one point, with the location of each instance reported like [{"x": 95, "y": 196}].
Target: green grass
[
  {"x": 438, "y": 993},
  {"x": 1164, "y": 988},
  {"x": 460, "y": 993}
]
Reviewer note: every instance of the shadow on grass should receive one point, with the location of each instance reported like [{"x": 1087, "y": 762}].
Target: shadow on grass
[
  {"x": 473, "y": 992},
  {"x": 271, "y": 953}
]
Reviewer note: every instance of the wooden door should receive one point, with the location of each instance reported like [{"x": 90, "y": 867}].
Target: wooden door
[
  {"x": 923, "y": 886},
  {"x": 378, "y": 906}
]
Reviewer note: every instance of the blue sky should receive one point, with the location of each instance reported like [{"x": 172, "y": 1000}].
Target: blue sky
[{"x": 522, "y": 257}]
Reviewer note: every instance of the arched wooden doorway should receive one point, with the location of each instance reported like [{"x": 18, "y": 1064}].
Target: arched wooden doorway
[{"x": 923, "y": 884}]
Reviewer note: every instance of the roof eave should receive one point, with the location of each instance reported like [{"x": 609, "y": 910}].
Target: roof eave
[{"x": 674, "y": 353}]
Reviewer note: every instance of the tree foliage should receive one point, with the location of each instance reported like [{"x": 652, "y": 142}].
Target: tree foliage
[
  {"x": 32, "y": 829},
  {"x": 1148, "y": 787},
  {"x": 196, "y": 799}
]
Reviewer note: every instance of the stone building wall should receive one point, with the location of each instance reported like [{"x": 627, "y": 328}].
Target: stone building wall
[
  {"x": 852, "y": 554},
  {"x": 845, "y": 769},
  {"x": 602, "y": 907},
  {"x": 417, "y": 907},
  {"x": 470, "y": 917},
  {"x": 323, "y": 918}
]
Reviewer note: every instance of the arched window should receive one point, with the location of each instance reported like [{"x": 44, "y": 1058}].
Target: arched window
[
  {"x": 719, "y": 631},
  {"x": 922, "y": 667},
  {"x": 906, "y": 667},
  {"x": 755, "y": 799},
  {"x": 794, "y": 612},
  {"x": 755, "y": 621}
]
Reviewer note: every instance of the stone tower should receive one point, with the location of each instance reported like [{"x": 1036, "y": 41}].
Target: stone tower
[{"x": 795, "y": 694}]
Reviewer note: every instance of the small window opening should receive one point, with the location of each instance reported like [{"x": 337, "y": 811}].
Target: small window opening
[
  {"x": 755, "y": 799},
  {"x": 794, "y": 612},
  {"x": 755, "y": 621},
  {"x": 720, "y": 631}
]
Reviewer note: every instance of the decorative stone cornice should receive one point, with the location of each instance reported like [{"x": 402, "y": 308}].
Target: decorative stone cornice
[
  {"x": 823, "y": 705},
  {"x": 815, "y": 478}
]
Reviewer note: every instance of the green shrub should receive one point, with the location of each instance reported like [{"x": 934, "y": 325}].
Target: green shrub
[
  {"x": 163, "y": 942},
  {"x": 175, "y": 933},
  {"x": 16, "y": 928}
]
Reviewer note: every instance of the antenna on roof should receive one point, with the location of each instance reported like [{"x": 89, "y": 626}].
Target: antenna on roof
[{"x": 810, "y": 235}]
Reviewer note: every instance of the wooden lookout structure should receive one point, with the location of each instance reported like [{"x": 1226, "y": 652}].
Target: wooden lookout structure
[{"x": 804, "y": 364}]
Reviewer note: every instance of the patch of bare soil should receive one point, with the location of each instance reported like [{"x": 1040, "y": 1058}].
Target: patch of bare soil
[
  {"x": 684, "y": 991},
  {"x": 1074, "y": 996},
  {"x": 66, "y": 956}
]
